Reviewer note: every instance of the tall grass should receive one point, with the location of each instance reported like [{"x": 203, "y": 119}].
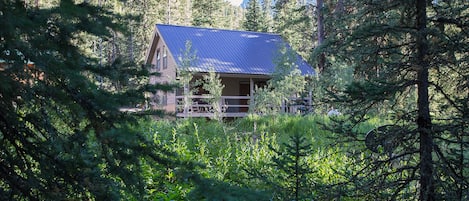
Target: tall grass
[{"x": 230, "y": 151}]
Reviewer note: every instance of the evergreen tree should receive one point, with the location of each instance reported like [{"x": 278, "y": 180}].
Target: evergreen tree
[
  {"x": 334, "y": 70},
  {"x": 254, "y": 19},
  {"x": 62, "y": 135},
  {"x": 141, "y": 29},
  {"x": 327, "y": 14},
  {"x": 220, "y": 14},
  {"x": 294, "y": 169},
  {"x": 290, "y": 181},
  {"x": 410, "y": 58},
  {"x": 205, "y": 12},
  {"x": 232, "y": 17},
  {"x": 294, "y": 21},
  {"x": 320, "y": 27},
  {"x": 268, "y": 15}
]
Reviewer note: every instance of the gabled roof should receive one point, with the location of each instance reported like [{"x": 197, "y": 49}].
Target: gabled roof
[{"x": 227, "y": 51}]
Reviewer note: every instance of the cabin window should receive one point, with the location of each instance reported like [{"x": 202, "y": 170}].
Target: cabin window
[
  {"x": 165, "y": 58},
  {"x": 158, "y": 59},
  {"x": 164, "y": 100}
]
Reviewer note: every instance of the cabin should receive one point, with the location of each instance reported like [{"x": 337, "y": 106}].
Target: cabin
[{"x": 242, "y": 59}]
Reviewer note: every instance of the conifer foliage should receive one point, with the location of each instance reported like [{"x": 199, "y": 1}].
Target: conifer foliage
[
  {"x": 292, "y": 178},
  {"x": 255, "y": 17},
  {"x": 62, "y": 135},
  {"x": 410, "y": 59},
  {"x": 205, "y": 12},
  {"x": 293, "y": 169},
  {"x": 294, "y": 21}
]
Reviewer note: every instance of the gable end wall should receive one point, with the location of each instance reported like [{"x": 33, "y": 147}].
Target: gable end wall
[{"x": 168, "y": 75}]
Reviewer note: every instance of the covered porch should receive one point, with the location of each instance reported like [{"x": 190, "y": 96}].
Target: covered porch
[
  {"x": 237, "y": 95},
  {"x": 199, "y": 106},
  {"x": 236, "y": 99},
  {"x": 228, "y": 106}
]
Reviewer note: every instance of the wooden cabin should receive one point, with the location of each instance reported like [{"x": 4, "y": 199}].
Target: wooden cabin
[{"x": 242, "y": 59}]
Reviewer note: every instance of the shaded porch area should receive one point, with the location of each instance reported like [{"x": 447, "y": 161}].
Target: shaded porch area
[
  {"x": 199, "y": 106},
  {"x": 236, "y": 99},
  {"x": 228, "y": 106}
]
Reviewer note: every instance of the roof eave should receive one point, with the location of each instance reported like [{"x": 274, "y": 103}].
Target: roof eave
[{"x": 151, "y": 50}]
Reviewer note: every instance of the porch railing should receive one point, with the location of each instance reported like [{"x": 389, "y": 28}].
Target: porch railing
[
  {"x": 199, "y": 106},
  {"x": 228, "y": 106}
]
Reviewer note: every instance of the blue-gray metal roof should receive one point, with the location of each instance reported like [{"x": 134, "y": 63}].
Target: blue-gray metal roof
[{"x": 227, "y": 51}]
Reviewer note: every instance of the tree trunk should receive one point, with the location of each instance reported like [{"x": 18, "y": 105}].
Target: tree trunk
[
  {"x": 320, "y": 21},
  {"x": 131, "y": 44},
  {"x": 424, "y": 120},
  {"x": 168, "y": 12}
]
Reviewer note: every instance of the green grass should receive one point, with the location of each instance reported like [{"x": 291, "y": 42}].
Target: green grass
[{"x": 228, "y": 151}]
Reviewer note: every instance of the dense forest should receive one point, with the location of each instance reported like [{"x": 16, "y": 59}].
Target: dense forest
[{"x": 397, "y": 70}]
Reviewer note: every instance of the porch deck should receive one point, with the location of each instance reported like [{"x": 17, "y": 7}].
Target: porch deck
[{"x": 229, "y": 106}]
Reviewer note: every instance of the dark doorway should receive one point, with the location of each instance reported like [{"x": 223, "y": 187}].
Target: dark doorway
[{"x": 244, "y": 90}]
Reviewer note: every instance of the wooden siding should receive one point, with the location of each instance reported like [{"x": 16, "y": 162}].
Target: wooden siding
[{"x": 167, "y": 75}]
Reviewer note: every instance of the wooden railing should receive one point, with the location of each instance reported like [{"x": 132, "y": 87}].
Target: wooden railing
[
  {"x": 228, "y": 106},
  {"x": 199, "y": 106}
]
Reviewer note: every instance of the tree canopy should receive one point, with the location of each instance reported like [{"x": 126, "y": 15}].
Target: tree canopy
[
  {"x": 62, "y": 134},
  {"x": 69, "y": 69},
  {"x": 409, "y": 61}
]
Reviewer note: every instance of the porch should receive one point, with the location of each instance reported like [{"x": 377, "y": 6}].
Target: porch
[
  {"x": 199, "y": 106},
  {"x": 229, "y": 106}
]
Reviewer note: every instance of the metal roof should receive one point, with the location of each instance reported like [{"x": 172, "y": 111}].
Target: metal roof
[{"x": 227, "y": 51}]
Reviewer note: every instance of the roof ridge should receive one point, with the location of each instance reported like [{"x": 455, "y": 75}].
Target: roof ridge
[{"x": 219, "y": 29}]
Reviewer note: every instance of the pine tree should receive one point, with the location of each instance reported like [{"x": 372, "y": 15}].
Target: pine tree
[
  {"x": 231, "y": 17},
  {"x": 294, "y": 169},
  {"x": 409, "y": 59},
  {"x": 294, "y": 21},
  {"x": 205, "y": 12},
  {"x": 321, "y": 35},
  {"x": 290, "y": 180},
  {"x": 254, "y": 19},
  {"x": 146, "y": 15},
  {"x": 62, "y": 135},
  {"x": 268, "y": 15}
]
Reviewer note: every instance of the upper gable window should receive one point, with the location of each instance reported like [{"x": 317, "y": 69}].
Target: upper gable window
[
  {"x": 165, "y": 58},
  {"x": 158, "y": 59}
]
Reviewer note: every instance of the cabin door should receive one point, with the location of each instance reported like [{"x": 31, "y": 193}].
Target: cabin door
[{"x": 244, "y": 90}]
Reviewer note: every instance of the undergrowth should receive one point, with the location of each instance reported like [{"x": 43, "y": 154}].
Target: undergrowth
[{"x": 241, "y": 153}]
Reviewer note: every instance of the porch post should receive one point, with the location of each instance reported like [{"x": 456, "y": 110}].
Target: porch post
[
  {"x": 251, "y": 92},
  {"x": 284, "y": 107},
  {"x": 186, "y": 100},
  {"x": 251, "y": 87}
]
